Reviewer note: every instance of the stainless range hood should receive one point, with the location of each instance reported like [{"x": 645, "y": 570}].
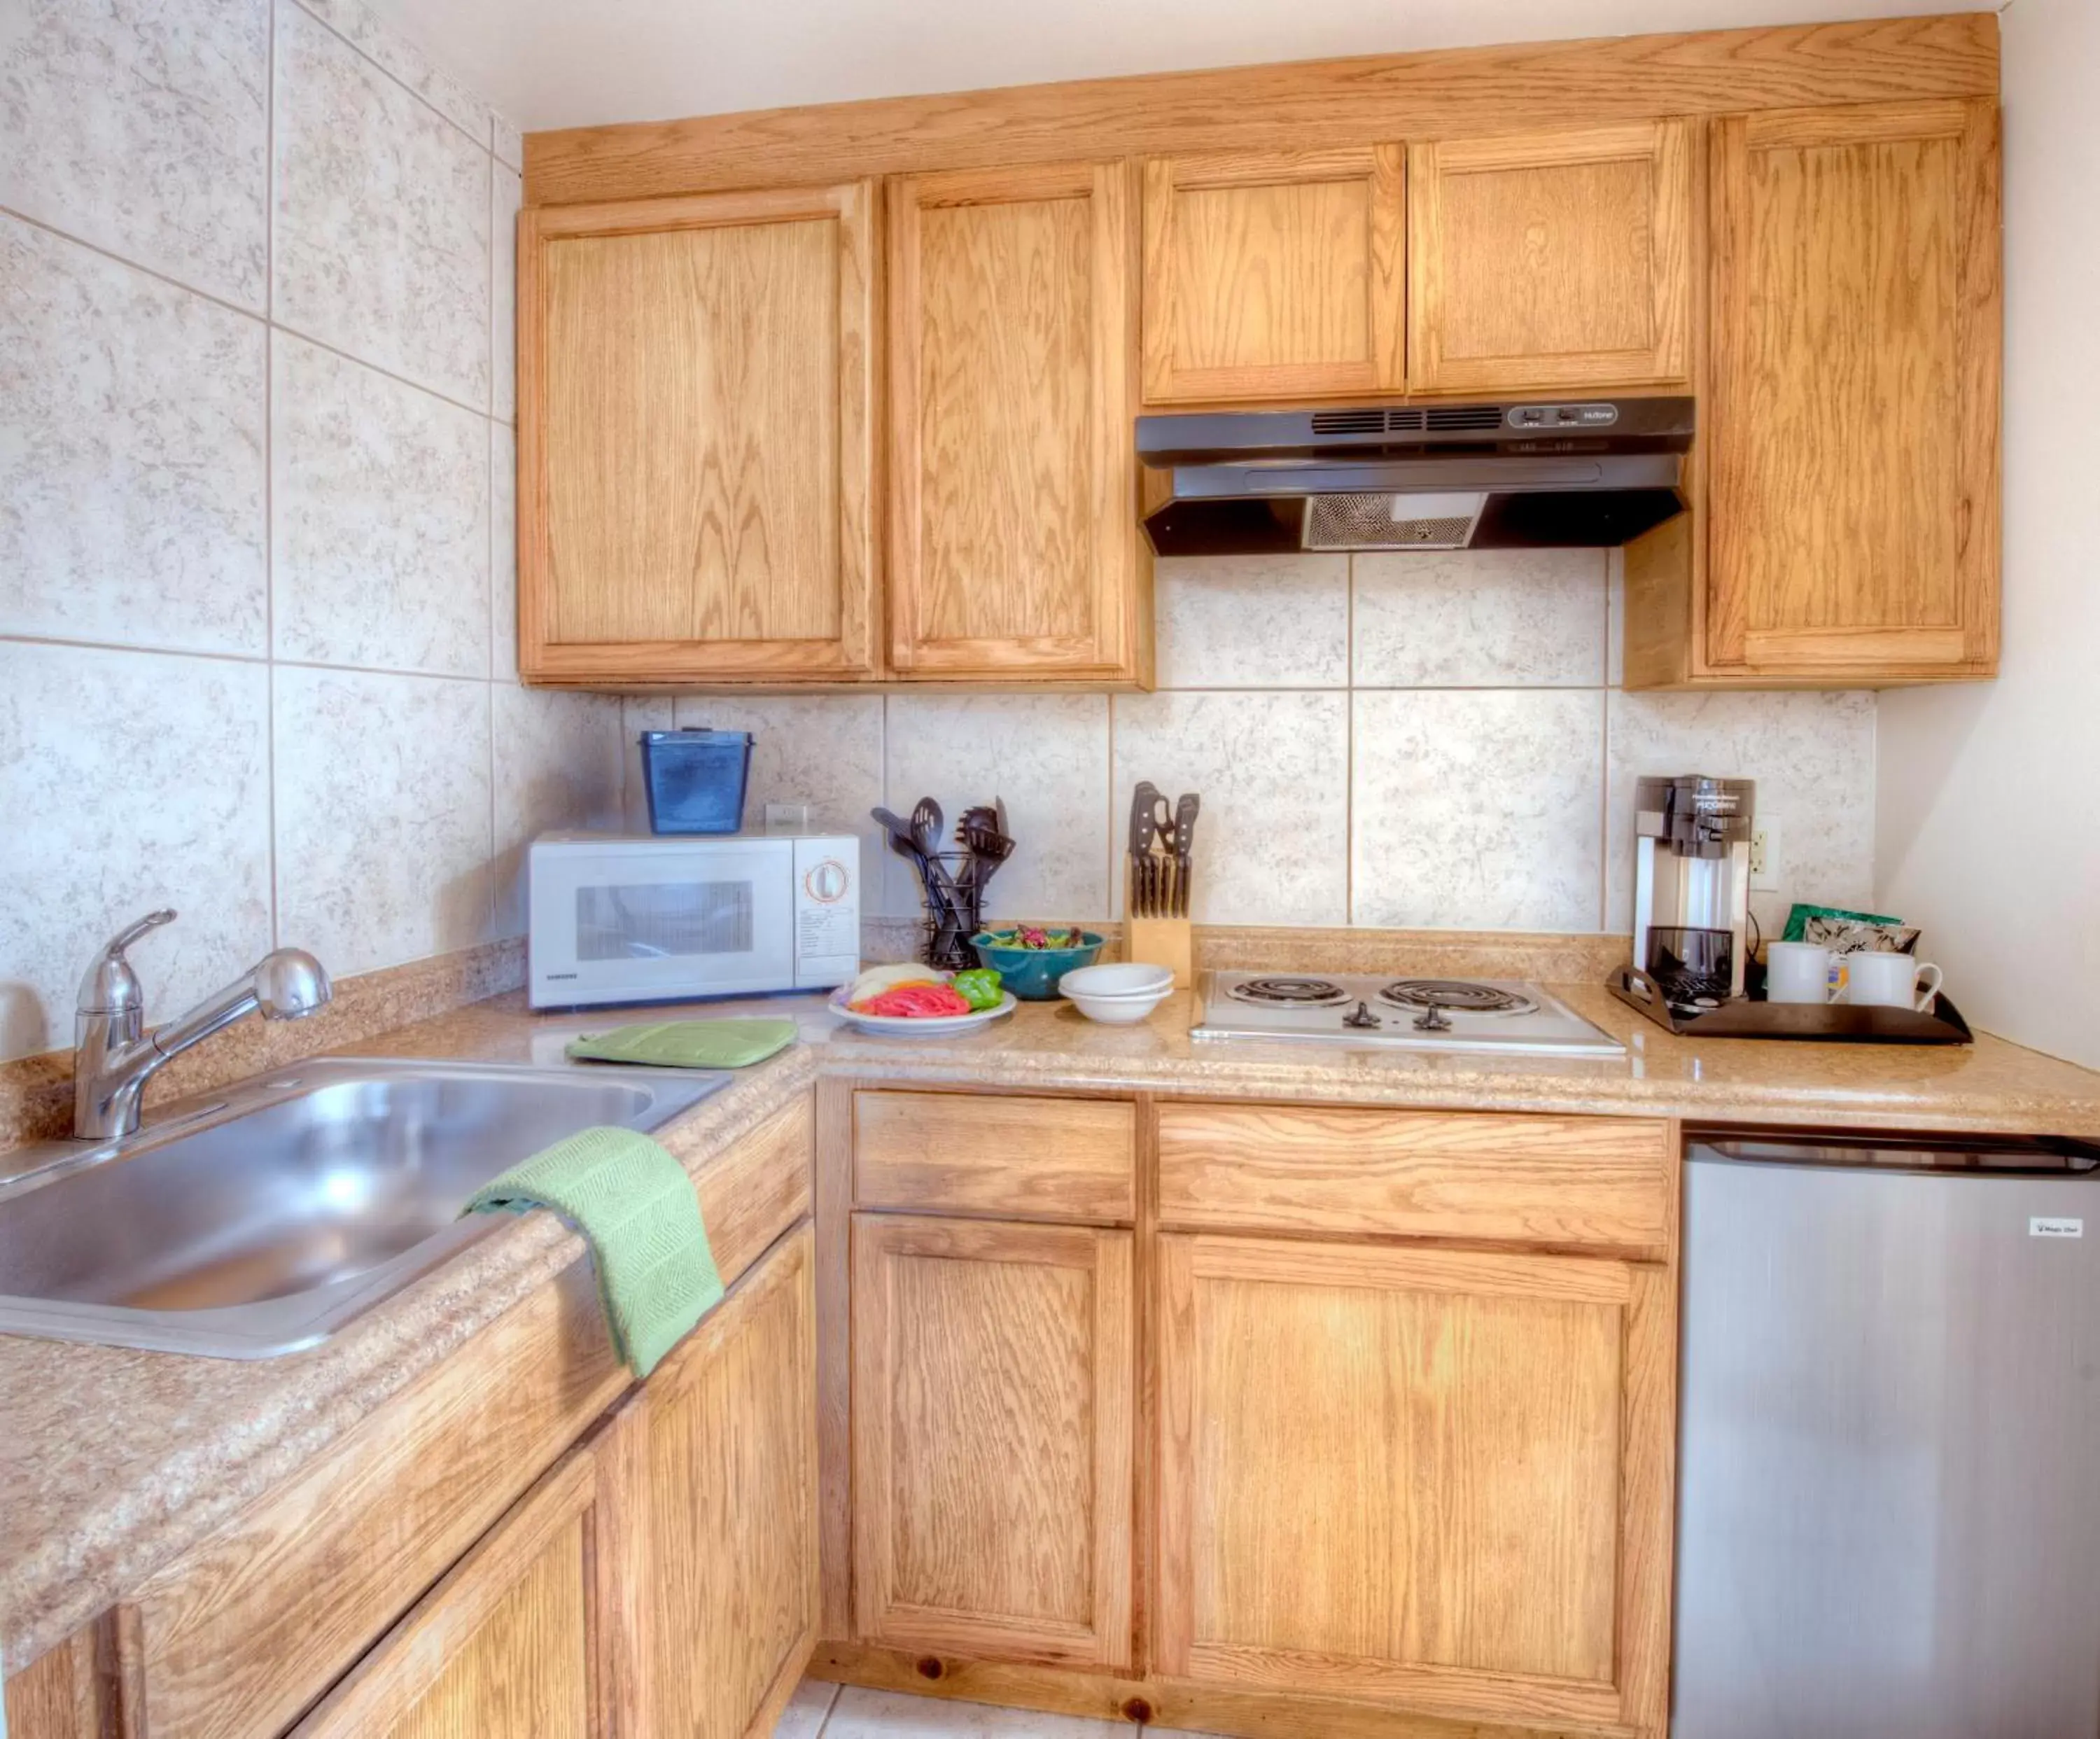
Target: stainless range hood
[{"x": 1500, "y": 475}]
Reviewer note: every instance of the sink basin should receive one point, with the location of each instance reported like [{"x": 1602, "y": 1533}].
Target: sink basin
[{"x": 266, "y": 1222}]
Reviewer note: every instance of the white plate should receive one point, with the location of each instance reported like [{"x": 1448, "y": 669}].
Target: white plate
[{"x": 921, "y": 1026}]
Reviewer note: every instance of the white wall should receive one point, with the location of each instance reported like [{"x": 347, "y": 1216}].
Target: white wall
[
  {"x": 1989, "y": 805},
  {"x": 256, "y": 653},
  {"x": 1418, "y": 741}
]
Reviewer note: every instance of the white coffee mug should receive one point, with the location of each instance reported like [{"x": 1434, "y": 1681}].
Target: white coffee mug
[
  {"x": 1798, "y": 972},
  {"x": 1891, "y": 981}
]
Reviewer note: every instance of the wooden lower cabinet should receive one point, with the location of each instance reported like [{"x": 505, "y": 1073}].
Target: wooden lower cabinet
[
  {"x": 505, "y": 1646},
  {"x": 716, "y": 1509},
  {"x": 1435, "y": 1478},
  {"x": 992, "y": 1436}
]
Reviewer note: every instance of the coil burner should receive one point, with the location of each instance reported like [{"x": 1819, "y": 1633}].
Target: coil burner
[
  {"x": 1290, "y": 993},
  {"x": 1460, "y": 995}
]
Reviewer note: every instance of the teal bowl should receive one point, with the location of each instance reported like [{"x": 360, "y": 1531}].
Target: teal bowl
[{"x": 1033, "y": 974}]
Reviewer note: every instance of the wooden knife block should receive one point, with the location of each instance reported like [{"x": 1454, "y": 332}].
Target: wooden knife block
[{"x": 1161, "y": 941}]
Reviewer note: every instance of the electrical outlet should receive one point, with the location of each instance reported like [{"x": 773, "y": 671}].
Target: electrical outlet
[{"x": 1765, "y": 866}]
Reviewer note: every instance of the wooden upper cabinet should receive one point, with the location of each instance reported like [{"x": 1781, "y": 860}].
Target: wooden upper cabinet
[
  {"x": 1542, "y": 261},
  {"x": 1853, "y": 405},
  {"x": 1015, "y": 550},
  {"x": 1274, "y": 275},
  {"x": 993, "y": 1384},
  {"x": 1433, "y": 1478},
  {"x": 696, "y": 438}
]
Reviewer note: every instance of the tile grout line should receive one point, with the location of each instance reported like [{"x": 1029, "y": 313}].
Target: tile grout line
[
  {"x": 269, "y": 468},
  {"x": 1349, "y": 744},
  {"x": 213, "y": 297},
  {"x": 387, "y": 72}
]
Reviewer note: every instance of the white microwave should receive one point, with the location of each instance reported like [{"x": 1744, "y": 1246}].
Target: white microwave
[{"x": 623, "y": 918}]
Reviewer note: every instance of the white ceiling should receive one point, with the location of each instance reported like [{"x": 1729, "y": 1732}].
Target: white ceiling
[{"x": 568, "y": 63}]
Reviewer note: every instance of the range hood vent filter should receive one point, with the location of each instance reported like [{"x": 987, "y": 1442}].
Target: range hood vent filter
[{"x": 1391, "y": 521}]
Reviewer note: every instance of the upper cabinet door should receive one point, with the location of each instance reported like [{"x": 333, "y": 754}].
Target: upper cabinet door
[
  {"x": 1853, "y": 409},
  {"x": 1543, "y": 261},
  {"x": 1015, "y": 548},
  {"x": 696, "y": 464},
  {"x": 1274, "y": 275}
]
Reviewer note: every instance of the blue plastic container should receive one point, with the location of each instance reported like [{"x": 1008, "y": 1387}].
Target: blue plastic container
[{"x": 696, "y": 779}]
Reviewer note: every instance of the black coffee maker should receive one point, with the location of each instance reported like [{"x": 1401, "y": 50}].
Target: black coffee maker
[{"x": 1691, "y": 886}]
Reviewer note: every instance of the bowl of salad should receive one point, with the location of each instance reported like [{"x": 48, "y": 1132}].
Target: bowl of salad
[{"x": 1031, "y": 959}]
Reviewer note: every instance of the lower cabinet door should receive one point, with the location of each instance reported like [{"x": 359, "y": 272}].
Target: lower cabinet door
[
  {"x": 712, "y": 1489},
  {"x": 992, "y": 1429},
  {"x": 1432, "y": 1477},
  {"x": 504, "y": 1647}
]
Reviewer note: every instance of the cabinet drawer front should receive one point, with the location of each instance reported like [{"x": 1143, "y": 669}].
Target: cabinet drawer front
[
  {"x": 1595, "y": 1181},
  {"x": 983, "y": 1154}
]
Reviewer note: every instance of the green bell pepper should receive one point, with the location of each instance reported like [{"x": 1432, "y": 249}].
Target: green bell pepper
[{"x": 978, "y": 988}]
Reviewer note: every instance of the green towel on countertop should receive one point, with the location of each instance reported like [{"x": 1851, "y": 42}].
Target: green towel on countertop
[
  {"x": 724, "y": 1044},
  {"x": 641, "y": 1216}
]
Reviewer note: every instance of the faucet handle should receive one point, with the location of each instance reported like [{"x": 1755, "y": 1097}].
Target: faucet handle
[{"x": 111, "y": 987}]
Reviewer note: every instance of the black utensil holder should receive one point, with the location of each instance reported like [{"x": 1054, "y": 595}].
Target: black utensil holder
[{"x": 955, "y": 911}]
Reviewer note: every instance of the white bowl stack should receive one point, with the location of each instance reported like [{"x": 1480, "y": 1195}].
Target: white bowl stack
[{"x": 1119, "y": 994}]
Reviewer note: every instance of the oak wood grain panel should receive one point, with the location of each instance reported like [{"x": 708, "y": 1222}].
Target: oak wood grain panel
[
  {"x": 58, "y": 1695},
  {"x": 1014, "y": 550},
  {"x": 1550, "y": 259},
  {"x": 980, "y": 1346},
  {"x": 696, "y": 416},
  {"x": 834, "y": 1284},
  {"x": 1580, "y": 1180},
  {"x": 723, "y": 1502},
  {"x": 239, "y": 1634},
  {"x": 1299, "y": 106},
  {"x": 1395, "y": 1474},
  {"x": 1170, "y": 1705},
  {"x": 1274, "y": 275},
  {"x": 1022, "y": 1158},
  {"x": 1854, "y": 483},
  {"x": 502, "y": 1649}
]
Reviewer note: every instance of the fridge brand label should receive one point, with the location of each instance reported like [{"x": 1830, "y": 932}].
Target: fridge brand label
[{"x": 2043, "y": 1225}]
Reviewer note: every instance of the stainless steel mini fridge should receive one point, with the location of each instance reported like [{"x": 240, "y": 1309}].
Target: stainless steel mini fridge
[{"x": 1888, "y": 1493}]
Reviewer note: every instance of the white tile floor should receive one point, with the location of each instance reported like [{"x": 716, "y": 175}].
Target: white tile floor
[{"x": 849, "y": 1712}]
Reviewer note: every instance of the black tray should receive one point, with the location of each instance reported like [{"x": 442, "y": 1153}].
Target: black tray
[{"x": 1825, "y": 1023}]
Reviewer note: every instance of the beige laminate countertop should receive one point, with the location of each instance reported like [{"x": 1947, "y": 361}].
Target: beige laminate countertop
[{"x": 113, "y": 1461}]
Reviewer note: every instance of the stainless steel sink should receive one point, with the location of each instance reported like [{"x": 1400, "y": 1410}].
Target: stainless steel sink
[{"x": 265, "y": 1221}]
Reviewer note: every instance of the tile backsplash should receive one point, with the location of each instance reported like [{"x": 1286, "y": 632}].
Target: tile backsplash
[
  {"x": 256, "y": 582},
  {"x": 1416, "y": 741}
]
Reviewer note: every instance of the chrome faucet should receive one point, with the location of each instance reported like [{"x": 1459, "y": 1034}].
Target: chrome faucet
[{"x": 114, "y": 1055}]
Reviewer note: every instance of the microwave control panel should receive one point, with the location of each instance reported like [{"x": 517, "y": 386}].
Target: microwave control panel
[{"x": 827, "y": 911}]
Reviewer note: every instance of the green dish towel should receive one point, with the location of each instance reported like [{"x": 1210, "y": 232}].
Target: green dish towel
[
  {"x": 725, "y": 1043},
  {"x": 639, "y": 1211}
]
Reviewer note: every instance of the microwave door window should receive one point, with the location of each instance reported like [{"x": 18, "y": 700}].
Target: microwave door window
[{"x": 666, "y": 921}]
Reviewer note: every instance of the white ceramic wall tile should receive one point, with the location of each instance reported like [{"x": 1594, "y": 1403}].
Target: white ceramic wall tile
[
  {"x": 863, "y": 1714},
  {"x": 1272, "y": 838},
  {"x": 406, "y": 62},
  {"x": 1812, "y": 756},
  {"x": 1252, "y": 621},
  {"x": 1046, "y": 755},
  {"x": 142, "y": 126},
  {"x": 1478, "y": 809},
  {"x": 1615, "y": 616},
  {"x": 804, "y": 1716},
  {"x": 1480, "y": 619},
  {"x": 383, "y": 815},
  {"x": 506, "y": 142},
  {"x": 133, "y": 780},
  {"x": 131, "y": 454},
  {"x": 502, "y": 552},
  {"x": 506, "y": 193},
  {"x": 824, "y": 750},
  {"x": 557, "y": 765},
  {"x": 382, "y": 215},
  {"x": 380, "y": 522}
]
